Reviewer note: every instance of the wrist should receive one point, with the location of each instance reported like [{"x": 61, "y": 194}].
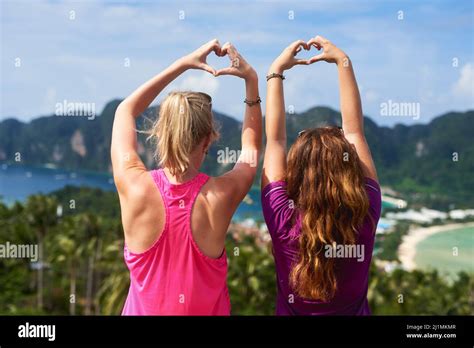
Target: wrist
[
  {"x": 251, "y": 76},
  {"x": 183, "y": 64},
  {"x": 276, "y": 69},
  {"x": 342, "y": 61}
]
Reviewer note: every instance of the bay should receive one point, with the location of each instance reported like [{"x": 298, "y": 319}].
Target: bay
[{"x": 18, "y": 182}]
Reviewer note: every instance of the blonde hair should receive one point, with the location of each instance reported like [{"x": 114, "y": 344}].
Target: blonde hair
[{"x": 184, "y": 120}]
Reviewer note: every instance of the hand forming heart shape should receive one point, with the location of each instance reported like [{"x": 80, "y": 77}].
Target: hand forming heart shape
[
  {"x": 330, "y": 52},
  {"x": 239, "y": 66},
  {"x": 287, "y": 59},
  {"x": 297, "y": 46}
]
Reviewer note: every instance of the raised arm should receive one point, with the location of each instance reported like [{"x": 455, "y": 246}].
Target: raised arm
[
  {"x": 351, "y": 109},
  {"x": 126, "y": 162},
  {"x": 239, "y": 180},
  {"x": 274, "y": 163}
]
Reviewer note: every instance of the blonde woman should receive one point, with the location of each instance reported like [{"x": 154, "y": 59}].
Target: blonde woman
[
  {"x": 322, "y": 201},
  {"x": 175, "y": 218}
]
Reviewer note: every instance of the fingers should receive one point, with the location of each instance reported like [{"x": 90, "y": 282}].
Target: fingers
[
  {"x": 298, "y": 43},
  {"x": 296, "y": 46},
  {"x": 226, "y": 46},
  {"x": 317, "y": 58},
  {"x": 323, "y": 39},
  {"x": 213, "y": 45},
  {"x": 229, "y": 49},
  {"x": 302, "y": 61},
  {"x": 208, "y": 68},
  {"x": 317, "y": 41},
  {"x": 226, "y": 71},
  {"x": 226, "y": 49},
  {"x": 218, "y": 50}
]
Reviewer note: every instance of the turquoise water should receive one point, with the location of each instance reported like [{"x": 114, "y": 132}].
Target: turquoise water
[
  {"x": 439, "y": 251},
  {"x": 388, "y": 205}
]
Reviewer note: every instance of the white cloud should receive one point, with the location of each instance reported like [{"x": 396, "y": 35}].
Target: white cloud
[
  {"x": 84, "y": 60},
  {"x": 198, "y": 82},
  {"x": 50, "y": 98},
  {"x": 464, "y": 86},
  {"x": 370, "y": 96}
]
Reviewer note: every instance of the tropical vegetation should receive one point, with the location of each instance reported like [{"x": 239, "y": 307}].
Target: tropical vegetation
[{"x": 80, "y": 269}]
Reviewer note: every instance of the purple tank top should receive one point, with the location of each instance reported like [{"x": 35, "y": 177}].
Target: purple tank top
[{"x": 352, "y": 272}]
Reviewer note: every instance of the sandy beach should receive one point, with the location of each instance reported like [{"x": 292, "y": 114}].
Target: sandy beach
[{"x": 407, "y": 249}]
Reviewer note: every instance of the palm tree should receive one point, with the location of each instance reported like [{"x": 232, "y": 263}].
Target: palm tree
[
  {"x": 67, "y": 248},
  {"x": 40, "y": 214},
  {"x": 114, "y": 288},
  {"x": 110, "y": 291},
  {"x": 92, "y": 230}
]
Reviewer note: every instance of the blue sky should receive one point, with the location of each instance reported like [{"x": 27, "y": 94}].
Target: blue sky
[{"x": 76, "y": 50}]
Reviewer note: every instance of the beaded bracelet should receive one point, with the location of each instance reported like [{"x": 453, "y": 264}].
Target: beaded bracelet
[
  {"x": 275, "y": 75},
  {"x": 252, "y": 102}
]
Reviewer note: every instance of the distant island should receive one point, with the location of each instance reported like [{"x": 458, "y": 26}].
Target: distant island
[{"x": 430, "y": 165}]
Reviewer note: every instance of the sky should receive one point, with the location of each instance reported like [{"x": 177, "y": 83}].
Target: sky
[{"x": 414, "y": 60}]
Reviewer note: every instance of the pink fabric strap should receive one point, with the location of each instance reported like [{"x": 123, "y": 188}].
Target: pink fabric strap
[{"x": 174, "y": 277}]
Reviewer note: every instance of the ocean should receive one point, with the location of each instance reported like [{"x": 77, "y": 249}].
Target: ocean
[
  {"x": 449, "y": 252},
  {"x": 18, "y": 182}
]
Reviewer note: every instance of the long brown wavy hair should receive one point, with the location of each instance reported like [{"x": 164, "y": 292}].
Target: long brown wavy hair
[{"x": 326, "y": 183}]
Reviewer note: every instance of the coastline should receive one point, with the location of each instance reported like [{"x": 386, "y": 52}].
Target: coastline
[
  {"x": 53, "y": 167},
  {"x": 407, "y": 249}
]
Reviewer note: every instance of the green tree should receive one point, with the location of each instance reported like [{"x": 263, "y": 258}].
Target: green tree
[
  {"x": 40, "y": 212},
  {"x": 114, "y": 288},
  {"x": 67, "y": 249},
  {"x": 251, "y": 277}
]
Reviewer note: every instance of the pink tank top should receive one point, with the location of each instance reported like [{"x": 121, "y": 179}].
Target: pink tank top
[{"x": 173, "y": 277}]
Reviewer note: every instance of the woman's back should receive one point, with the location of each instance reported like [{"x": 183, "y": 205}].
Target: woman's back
[
  {"x": 174, "y": 276},
  {"x": 175, "y": 220},
  {"x": 321, "y": 199},
  {"x": 352, "y": 261}
]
